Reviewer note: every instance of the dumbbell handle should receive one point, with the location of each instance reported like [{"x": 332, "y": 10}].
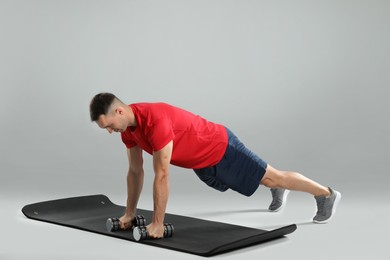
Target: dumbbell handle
[
  {"x": 141, "y": 232},
  {"x": 113, "y": 224}
]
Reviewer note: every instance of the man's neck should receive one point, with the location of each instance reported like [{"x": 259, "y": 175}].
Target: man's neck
[{"x": 131, "y": 116}]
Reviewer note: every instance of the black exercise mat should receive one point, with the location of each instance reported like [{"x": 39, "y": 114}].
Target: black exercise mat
[{"x": 192, "y": 235}]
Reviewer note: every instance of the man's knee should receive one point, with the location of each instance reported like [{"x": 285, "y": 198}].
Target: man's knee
[
  {"x": 268, "y": 183},
  {"x": 272, "y": 178}
]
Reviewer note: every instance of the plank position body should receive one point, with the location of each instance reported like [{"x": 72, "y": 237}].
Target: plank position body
[{"x": 176, "y": 136}]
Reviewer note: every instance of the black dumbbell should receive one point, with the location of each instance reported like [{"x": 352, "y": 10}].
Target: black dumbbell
[
  {"x": 141, "y": 233},
  {"x": 113, "y": 224}
]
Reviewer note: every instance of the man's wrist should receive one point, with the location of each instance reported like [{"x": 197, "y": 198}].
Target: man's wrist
[
  {"x": 158, "y": 219},
  {"x": 130, "y": 213},
  {"x": 157, "y": 223}
]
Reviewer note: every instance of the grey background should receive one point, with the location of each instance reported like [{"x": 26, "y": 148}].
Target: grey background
[{"x": 305, "y": 84}]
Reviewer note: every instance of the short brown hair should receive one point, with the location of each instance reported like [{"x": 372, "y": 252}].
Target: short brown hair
[{"x": 100, "y": 105}]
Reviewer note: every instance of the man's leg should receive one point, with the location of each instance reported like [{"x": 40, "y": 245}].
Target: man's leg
[{"x": 274, "y": 178}]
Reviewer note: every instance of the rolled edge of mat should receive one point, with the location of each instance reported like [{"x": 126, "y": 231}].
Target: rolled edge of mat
[{"x": 253, "y": 240}]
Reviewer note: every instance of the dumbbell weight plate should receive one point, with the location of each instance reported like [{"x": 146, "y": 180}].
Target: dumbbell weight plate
[
  {"x": 139, "y": 221},
  {"x": 168, "y": 230},
  {"x": 112, "y": 224},
  {"x": 140, "y": 233}
]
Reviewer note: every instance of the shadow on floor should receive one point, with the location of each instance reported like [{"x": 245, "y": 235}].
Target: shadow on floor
[
  {"x": 224, "y": 212},
  {"x": 211, "y": 214}
]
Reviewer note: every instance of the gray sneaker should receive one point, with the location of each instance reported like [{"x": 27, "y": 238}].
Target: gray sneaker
[
  {"x": 326, "y": 206},
  {"x": 279, "y": 197}
]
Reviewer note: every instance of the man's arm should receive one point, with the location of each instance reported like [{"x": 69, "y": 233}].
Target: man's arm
[
  {"x": 161, "y": 160},
  {"x": 135, "y": 178}
]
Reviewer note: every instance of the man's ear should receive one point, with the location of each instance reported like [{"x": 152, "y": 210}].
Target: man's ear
[{"x": 119, "y": 110}]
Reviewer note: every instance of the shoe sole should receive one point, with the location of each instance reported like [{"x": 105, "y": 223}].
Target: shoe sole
[
  {"x": 336, "y": 202},
  {"x": 283, "y": 203}
]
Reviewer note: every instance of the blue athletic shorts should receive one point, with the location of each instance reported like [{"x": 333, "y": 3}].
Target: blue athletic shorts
[{"x": 239, "y": 169}]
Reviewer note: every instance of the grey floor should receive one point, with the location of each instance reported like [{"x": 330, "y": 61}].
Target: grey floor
[{"x": 358, "y": 231}]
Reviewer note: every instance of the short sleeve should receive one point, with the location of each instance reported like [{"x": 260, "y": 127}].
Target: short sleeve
[
  {"x": 160, "y": 133},
  {"x": 127, "y": 140}
]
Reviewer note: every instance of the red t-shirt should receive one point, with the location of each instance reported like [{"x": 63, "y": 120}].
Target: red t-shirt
[{"x": 197, "y": 143}]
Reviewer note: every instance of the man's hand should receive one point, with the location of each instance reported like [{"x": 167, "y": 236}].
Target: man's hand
[
  {"x": 126, "y": 221},
  {"x": 155, "y": 230}
]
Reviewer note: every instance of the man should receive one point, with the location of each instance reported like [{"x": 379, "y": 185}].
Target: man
[{"x": 175, "y": 136}]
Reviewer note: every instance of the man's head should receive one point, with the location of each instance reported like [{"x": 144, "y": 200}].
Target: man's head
[{"x": 109, "y": 112}]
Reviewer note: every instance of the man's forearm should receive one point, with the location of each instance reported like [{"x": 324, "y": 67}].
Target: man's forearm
[
  {"x": 160, "y": 197},
  {"x": 134, "y": 188}
]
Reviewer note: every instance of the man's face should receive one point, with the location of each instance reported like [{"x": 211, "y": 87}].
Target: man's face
[{"x": 113, "y": 122}]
